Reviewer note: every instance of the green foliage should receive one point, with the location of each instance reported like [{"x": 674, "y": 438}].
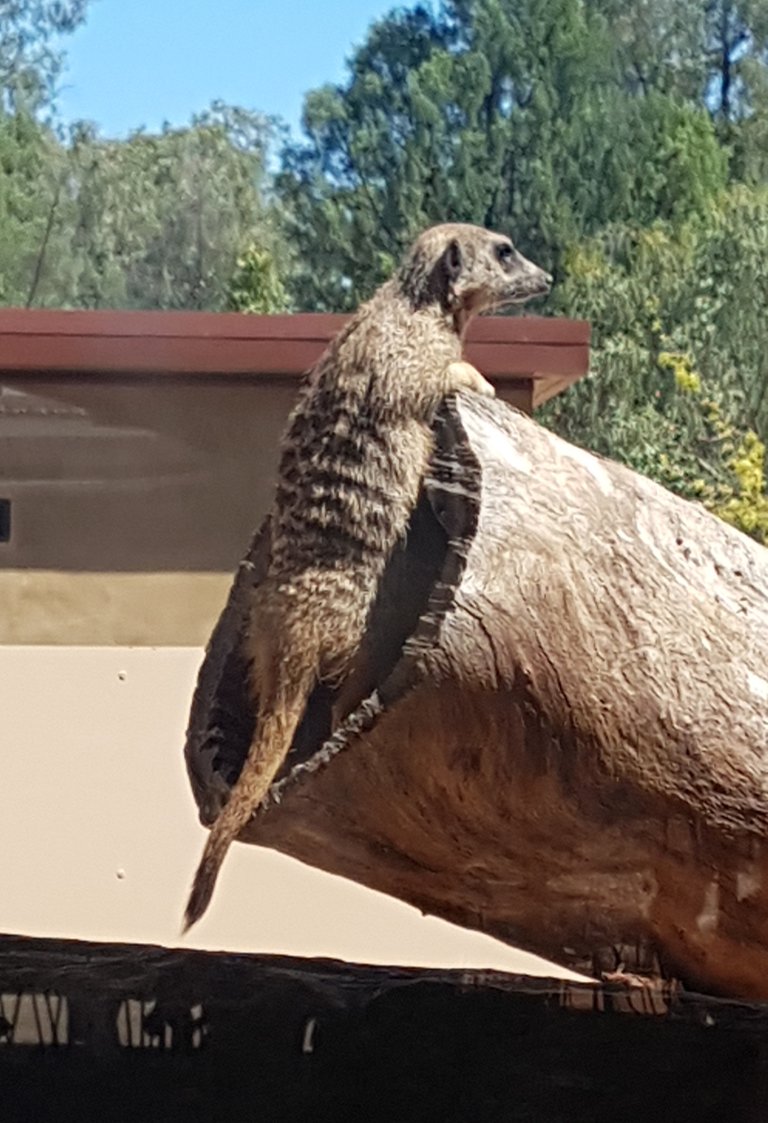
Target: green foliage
[
  {"x": 31, "y": 160},
  {"x": 31, "y": 166},
  {"x": 714, "y": 461},
  {"x": 257, "y": 285},
  {"x": 509, "y": 113},
  {"x": 711, "y": 52},
  {"x": 747, "y": 507},
  {"x": 29, "y": 62},
  {"x": 657, "y": 296},
  {"x": 158, "y": 220}
]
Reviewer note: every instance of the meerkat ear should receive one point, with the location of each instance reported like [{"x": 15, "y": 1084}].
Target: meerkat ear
[{"x": 453, "y": 259}]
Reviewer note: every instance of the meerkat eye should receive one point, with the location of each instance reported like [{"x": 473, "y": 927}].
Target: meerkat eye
[{"x": 504, "y": 252}]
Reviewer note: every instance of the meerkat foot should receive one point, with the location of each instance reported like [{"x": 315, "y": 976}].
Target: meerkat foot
[{"x": 463, "y": 376}]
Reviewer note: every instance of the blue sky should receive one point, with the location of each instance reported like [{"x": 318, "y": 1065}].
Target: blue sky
[{"x": 140, "y": 62}]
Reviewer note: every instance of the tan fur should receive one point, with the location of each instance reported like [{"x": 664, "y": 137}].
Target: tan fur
[{"x": 353, "y": 459}]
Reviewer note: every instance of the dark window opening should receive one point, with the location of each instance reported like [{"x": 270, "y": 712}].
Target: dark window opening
[{"x": 5, "y": 520}]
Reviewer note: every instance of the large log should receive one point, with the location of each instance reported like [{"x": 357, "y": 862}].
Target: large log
[{"x": 565, "y": 738}]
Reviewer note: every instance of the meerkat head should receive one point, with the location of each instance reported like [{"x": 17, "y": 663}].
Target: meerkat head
[{"x": 467, "y": 270}]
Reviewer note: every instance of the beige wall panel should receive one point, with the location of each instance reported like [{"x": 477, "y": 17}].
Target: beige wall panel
[
  {"x": 101, "y": 836},
  {"x": 128, "y": 609}
]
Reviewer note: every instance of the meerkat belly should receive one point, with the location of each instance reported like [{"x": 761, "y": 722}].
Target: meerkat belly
[{"x": 341, "y": 509}]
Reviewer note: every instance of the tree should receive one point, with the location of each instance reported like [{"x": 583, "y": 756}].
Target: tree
[
  {"x": 347, "y": 189},
  {"x": 709, "y": 53},
  {"x": 31, "y": 160},
  {"x": 29, "y": 61},
  {"x": 510, "y": 114},
  {"x": 257, "y": 285},
  {"x": 679, "y": 369},
  {"x": 159, "y": 220},
  {"x": 31, "y": 169},
  {"x": 660, "y": 45}
]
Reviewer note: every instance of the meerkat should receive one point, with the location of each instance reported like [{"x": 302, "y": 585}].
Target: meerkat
[{"x": 353, "y": 459}]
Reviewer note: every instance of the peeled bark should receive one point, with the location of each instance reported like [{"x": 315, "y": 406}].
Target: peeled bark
[{"x": 567, "y": 743}]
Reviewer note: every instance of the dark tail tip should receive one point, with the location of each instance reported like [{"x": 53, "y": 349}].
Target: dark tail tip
[{"x": 202, "y": 891}]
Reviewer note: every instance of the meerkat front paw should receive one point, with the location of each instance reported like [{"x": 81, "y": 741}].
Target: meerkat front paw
[{"x": 461, "y": 375}]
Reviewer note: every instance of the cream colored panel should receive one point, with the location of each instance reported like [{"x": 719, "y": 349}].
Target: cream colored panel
[
  {"x": 130, "y": 609},
  {"x": 102, "y": 834}
]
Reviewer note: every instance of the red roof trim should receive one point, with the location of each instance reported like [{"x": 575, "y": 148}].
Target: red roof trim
[{"x": 37, "y": 341}]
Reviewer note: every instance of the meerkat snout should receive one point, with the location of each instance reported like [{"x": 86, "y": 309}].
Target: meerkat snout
[{"x": 527, "y": 280}]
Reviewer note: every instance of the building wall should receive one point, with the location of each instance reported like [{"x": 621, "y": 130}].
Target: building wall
[
  {"x": 133, "y": 500},
  {"x": 131, "y": 504}
]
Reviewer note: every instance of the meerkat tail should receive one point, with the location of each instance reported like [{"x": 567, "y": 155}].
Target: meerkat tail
[
  {"x": 269, "y": 748},
  {"x": 205, "y": 879}
]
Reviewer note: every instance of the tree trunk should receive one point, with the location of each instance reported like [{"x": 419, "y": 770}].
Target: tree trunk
[{"x": 563, "y": 737}]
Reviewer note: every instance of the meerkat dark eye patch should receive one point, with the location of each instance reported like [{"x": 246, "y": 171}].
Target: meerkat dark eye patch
[{"x": 505, "y": 252}]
